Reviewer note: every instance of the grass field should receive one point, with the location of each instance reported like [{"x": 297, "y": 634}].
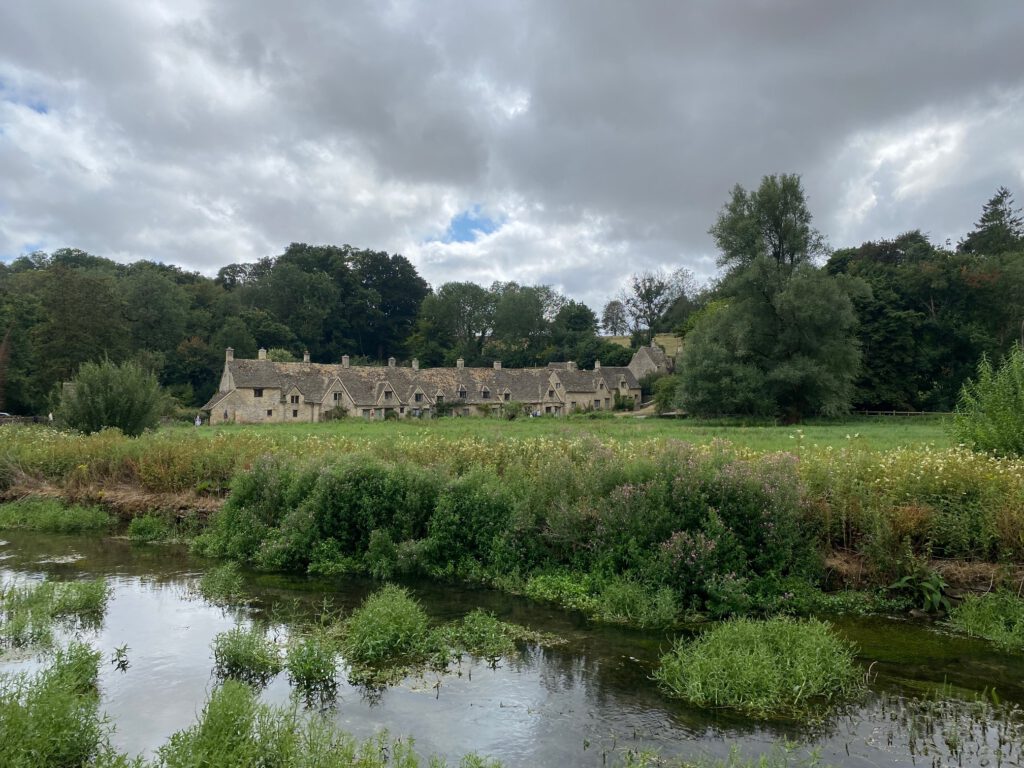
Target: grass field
[{"x": 872, "y": 433}]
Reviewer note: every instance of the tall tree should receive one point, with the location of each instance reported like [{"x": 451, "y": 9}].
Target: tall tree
[
  {"x": 650, "y": 294},
  {"x": 999, "y": 230},
  {"x": 614, "y": 319}
]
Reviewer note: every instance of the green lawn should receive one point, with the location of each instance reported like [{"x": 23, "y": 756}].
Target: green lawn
[{"x": 874, "y": 433}]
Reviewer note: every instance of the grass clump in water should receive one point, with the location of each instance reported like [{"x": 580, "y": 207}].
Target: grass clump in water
[
  {"x": 996, "y": 616},
  {"x": 779, "y": 667},
  {"x": 149, "y": 528},
  {"x": 27, "y": 613},
  {"x": 222, "y": 584},
  {"x": 50, "y": 516},
  {"x": 235, "y": 729},
  {"x": 247, "y": 655},
  {"x": 310, "y": 661},
  {"x": 390, "y": 627},
  {"x": 52, "y": 718}
]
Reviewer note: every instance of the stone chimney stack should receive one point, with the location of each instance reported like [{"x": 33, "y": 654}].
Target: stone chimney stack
[
  {"x": 391, "y": 362},
  {"x": 415, "y": 364},
  {"x": 229, "y": 354},
  {"x": 597, "y": 365},
  {"x": 571, "y": 365},
  {"x": 305, "y": 356},
  {"x": 262, "y": 354},
  {"x": 497, "y": 365},
  {"x": 344, "y": 361},
  {"x": 460, "y": 363}
]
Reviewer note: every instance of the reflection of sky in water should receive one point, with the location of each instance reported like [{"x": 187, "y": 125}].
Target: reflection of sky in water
[{"x": 565, "y": 706}]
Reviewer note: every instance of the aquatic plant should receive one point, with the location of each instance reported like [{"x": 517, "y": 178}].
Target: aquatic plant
[
  {"x": 52, "y": 718},
  {"x": 222, "y": 584},
  {"x": 996, "y": 616},
  {"x": 389, "y": 626},
  {"x": 51, "y": 516},
  {"x": 28, "y": 612},
  {"x": 780, "y": 667},
  {"x": 148, "y": 528},
  {"x": 310, "y": 661},
  {"x": 247, "y": 655}
]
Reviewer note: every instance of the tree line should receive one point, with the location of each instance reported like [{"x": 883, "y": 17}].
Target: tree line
[{"x": 789, "y": 328}]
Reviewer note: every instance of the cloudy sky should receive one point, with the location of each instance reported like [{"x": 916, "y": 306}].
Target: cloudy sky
[{"x": 567, "y": 143}]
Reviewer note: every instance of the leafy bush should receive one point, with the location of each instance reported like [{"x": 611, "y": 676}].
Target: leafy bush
[
  {"x": 246, "y": 654},
  {"x": 107, "y": 394},
  {"x": 778, "y": 667},
  {"x": 310, "y": 661},
  {"x": 996, "y": 616},
  {"x": 389, "y": 626},
  {"x": 51, "y": 516},
  {"x": 990, "y": 411},
  {"x": 222, "y": 584},
  {"x": 149, "y": 528}
]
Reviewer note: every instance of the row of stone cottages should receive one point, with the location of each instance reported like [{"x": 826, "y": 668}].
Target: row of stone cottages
[{"x": 261, "y": 391}]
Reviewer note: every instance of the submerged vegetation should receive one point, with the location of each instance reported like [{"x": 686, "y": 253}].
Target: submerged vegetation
[
  {"x": 247, "y": 655},
  {"x": 28, "y": 612},
  {"x": 777, "y": 667},
  {"x": 222, "y": 585}
]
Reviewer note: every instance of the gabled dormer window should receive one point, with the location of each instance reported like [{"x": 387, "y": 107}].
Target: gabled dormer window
[
  {"x": 507, "y": 397},
  {"x": 387, "y": 394},
  {"x": 485, "y": 393},
  {"x": 462, "y": 393},
  {"x": 418, "y": 397},
  {"x": 439, "y": 398}
]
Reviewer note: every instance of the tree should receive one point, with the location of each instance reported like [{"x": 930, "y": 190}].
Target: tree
[
  {"x": 650, "y": 294},
  {"x": 781, "y": 339},
  {"x": 999, "y": 230},
  {"x": 107, "y": 394},
  {"x": 771, "y": 222},
  {"x": 613, "y": 318}
]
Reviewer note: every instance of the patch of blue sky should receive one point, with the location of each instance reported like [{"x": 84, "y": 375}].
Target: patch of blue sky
[
  {"x": 10, "y": 94},
  {"x": 469, "y": 225}
]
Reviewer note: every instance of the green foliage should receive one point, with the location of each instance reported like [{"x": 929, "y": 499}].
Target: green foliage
[
  {"x": 990, "y": 412},
  {"x": 148, "y": 528},
  {"x": 247, "y": 655},
  {"x": 665, "y": 393},
  {"x": 52, "y": 718},
  {"x": 107, "y": 394},
  {"x": 389, "y": 627},
  {"x": 927, "y": 586},
  {"x": 51, "y": 516},
  {"x": 996, "y": 616},
  {"x": 27, "y": 613},
  {"x": 310, "y": 661},
  {"x": 624, "y": 601},
  {"x": 780, "y": 667},
  {"x": 222, "y": 585}
]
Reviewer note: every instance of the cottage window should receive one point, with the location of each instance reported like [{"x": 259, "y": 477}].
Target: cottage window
[
  {"x": 387, "y": 394},
  {"x": 440, "y": 399},
  {"x": 507, "y": 397},
  {"x": 258, "y": 392},
  {"x": 337, "y": 396},
  {"x": 558, "y": 385},
  {"x": 418, "y": 397},
  {"x": 462, "y": 393},
  {"x": 607, "y": 402},
  {"x": 485, "y": 393},
  {"x": 572, "y": 404},
  {"x": 295, "y": 399},
  {"x": 366, "y": 412},
  {"x": 295, "y": 413},
  {"x": 597, "y": 404},
  {"x": 551, "y": 393},
  {"x": 270, "y": 412}
]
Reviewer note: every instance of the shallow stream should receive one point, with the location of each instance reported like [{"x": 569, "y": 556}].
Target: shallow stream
[{"x": 581, "y": 704}]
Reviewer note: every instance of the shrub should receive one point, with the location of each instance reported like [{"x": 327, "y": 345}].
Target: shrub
[
  {"x": 247, "y": 655},
  {"x": 310, "y": 661},
  {"x": 996, "y": 616},
  {"x": 107, "y": 394},
  {"x": 778, "y": 667},
  {"x": 389, "y": 627},
  {"x": 50, "y": 516},
  {"x": 149, "y": 528},
  {"x": 990, "y": 411}
]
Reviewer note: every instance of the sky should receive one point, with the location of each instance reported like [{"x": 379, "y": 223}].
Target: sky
[{"x": 566, "y": 143}]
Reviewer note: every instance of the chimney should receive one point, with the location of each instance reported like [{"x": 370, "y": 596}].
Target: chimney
[
  {"x": 344, "y": 361},
  {"x": 597, "y": 365},
  {"x": 415, "y": 364},
  {"x": 262, "y": 354},
  {"x": 391, "y": 362},
  {"x": 571, "y": 365},
  {"x": 229, "y": 354},
  {"x": 497, "y": 365},
  {"x": 460, "y": 363},
  {"x": 305, "y": 356}
]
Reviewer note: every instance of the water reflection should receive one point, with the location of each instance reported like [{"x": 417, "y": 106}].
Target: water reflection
[{"x": 574, "y": 705}]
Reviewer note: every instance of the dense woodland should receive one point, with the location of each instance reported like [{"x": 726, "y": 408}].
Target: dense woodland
[{"x": 790, "y": 328}]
